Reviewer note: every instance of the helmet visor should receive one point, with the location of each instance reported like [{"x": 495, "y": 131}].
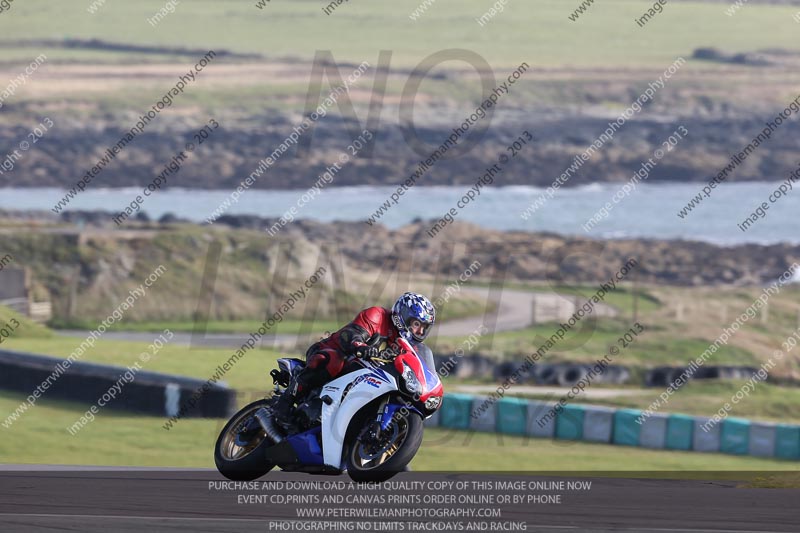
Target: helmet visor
[{"x": 419, "y": 329}]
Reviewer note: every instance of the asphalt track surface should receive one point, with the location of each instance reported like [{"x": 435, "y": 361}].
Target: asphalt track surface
[{"x": 90, "y": 499}]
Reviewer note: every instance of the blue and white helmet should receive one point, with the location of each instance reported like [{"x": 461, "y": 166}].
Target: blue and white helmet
[{"x": 411, "y": 306}]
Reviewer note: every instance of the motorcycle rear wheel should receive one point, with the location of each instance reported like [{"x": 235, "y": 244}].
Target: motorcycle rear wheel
[{"x": 248, "y": 462}]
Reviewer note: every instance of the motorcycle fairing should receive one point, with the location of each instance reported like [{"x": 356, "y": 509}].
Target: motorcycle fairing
[
  {"x": 291, "y": 365},
  {"x": 391, "y": 409},
  {"x": 431, "y": 384},
  {"x": 306, "y": 446},
  {"x": 361, "y": 387}
]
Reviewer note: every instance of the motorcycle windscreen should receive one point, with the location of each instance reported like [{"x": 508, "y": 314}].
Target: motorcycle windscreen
[
  {"x": 432, "y": 381},
  {"x": 429, "y": 380}
]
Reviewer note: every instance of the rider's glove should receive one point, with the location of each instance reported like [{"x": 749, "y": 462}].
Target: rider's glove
[{"x": 367, "y": 352}]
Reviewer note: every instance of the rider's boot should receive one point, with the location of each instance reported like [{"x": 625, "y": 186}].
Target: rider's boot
[
  {"x": 313, "y": 375},
  {"x": 283, "y": 406}
]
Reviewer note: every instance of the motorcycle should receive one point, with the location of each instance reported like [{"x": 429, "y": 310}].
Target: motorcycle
[{"x": 367, "y": 422}]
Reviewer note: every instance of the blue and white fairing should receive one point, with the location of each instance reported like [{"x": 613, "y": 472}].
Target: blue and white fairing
[
  {"x": 292, "y": 366},
  {"x": 367, "y": 384}
]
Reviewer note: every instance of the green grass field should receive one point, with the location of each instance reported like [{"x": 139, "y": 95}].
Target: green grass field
[
  {"x": 622, "y": 297},
  {"x": 26, "y": 328},
  {"x": 250, "y": 373},
  {"x": 606, "y": 35},
  {"x": 655, "y": 346},
  {"x": 216, "y": 326},
  {"x": 670, "y": 337}
]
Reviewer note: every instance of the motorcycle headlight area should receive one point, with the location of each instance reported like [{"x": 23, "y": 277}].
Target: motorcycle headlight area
[
  {"x": 432, "y": 403},
  {"x": 410, "y": 380}
]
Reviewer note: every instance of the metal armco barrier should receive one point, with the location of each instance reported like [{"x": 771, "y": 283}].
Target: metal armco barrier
[{"x": 149, "y": 392}]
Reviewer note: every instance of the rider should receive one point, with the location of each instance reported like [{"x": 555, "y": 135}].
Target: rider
[{"x": 411, "y": 318}]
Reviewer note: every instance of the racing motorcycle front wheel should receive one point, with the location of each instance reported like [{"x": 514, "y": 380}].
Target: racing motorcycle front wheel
[
  {"x": 378, "y": 455},
  {"x": 239, "y": 452}
]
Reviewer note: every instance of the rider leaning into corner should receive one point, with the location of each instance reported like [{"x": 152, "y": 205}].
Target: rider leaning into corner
[{"x": 411, "y": 318}]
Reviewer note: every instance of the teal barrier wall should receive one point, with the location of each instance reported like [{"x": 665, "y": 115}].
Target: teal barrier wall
[
  {"x": 735, "y": 436},
  {"x": 705, "y": 440},
  {"x": 592, "y": 423},
  {"x": 626, "y": 430},
  {"x": 569, "y": 422},
  {"x": 762, "y": 439},
  {"x": 679, "y": 432},
  {"x": 654, "y": 431},
  {"x": 456, "y": 411},
  {"x": 512, "y": 416},
  {"x": 540, "y": 423},
  {"x": 598, "y": 423},
  {"x": 486, "y": 420},
  {"x": 787, "y": 441}
]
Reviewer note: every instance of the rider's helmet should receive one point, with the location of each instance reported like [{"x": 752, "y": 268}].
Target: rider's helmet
[{"x": 412, "y": 306}]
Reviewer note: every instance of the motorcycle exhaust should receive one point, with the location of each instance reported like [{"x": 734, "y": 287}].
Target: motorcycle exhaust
[{"x": 265, "y": 420}]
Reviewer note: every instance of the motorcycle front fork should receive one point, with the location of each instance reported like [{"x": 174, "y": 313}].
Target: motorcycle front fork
[{"x": 375, "y": 430}]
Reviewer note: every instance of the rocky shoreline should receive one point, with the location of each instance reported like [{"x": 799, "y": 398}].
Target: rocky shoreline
[
  {"x": 234, "y": 153},
  {"x": 511, "y": 255}
]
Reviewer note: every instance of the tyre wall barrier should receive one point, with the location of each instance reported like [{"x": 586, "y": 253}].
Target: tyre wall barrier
[
  {"x": 664, "y": 376},
  {"x": 564, "y": 374},
  {"x": 465, "y": 367},
  {"x": 568, "y": 374},
  {"x": 627, "y": 427},
  {"x": 148, "y": 392}
]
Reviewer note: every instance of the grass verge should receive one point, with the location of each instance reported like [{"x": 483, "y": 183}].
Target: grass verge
[{"x": 117, "y": 438}]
